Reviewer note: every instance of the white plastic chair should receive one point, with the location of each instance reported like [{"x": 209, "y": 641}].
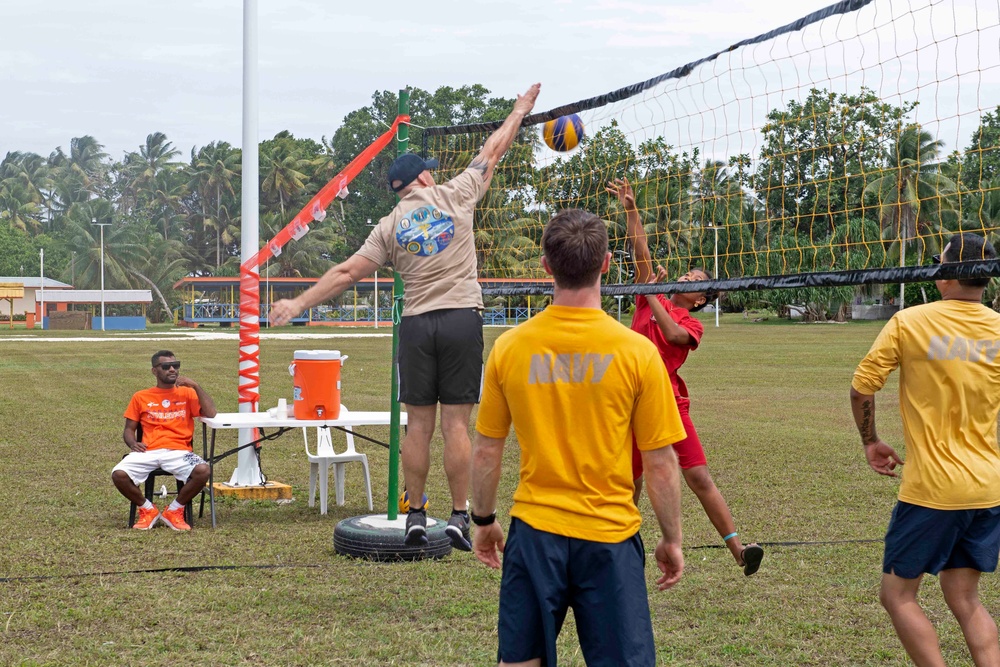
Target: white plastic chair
[{"x": 319, "y": 465}]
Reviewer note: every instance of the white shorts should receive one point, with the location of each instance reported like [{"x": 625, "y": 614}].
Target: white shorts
[{"x": 179, "y": 463}]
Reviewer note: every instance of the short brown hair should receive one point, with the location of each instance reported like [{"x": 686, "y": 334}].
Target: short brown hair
[{"x": 575, "y": 243}]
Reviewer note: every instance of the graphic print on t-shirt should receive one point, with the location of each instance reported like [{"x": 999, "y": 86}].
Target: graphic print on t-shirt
[{"x": 425, "y": 231}]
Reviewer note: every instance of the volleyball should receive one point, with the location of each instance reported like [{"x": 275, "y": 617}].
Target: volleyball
[
  {"x": 564, "y": 133},
  {"x": 404, "y": 502}
]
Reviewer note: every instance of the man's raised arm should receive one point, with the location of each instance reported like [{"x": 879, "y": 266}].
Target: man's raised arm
[{"x": 503, "y": 137}]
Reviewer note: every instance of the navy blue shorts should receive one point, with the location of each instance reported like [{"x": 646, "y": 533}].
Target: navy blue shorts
[
  {"x": 545, "y": 574},
  {"x": 923, "y": 540},
  {"x": 441, "y": 357}
]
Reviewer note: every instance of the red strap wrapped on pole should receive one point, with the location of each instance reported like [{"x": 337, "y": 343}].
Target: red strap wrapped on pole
[{"x": 315, "y": 210}]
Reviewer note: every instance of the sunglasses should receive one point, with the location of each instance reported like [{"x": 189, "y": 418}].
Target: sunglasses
[{"x": 170, "y": 364}]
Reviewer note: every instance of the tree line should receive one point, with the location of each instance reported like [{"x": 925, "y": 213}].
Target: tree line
[{"x": 841, "y": 181}]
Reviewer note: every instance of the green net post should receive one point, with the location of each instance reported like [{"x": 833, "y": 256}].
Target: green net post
[{"x": 402, "y": 142}]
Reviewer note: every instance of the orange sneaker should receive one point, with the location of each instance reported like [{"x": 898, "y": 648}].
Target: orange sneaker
[
  {"x": 175, "y": 519},
  {"x": 147, "y": 518}
]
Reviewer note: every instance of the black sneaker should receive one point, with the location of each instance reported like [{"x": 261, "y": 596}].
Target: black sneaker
[
  {"x": 416, "y": 529},
  {"x": 458, "y": 530}
]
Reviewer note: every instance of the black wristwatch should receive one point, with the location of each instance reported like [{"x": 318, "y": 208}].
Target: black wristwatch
[{"x": 483, "y": 520}]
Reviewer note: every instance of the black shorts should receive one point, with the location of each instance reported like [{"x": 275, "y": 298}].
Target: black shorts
[
  {"x": 922, "y": 539},
  {"x": 545, "y": 574},
  {"x": 441, "y": 357}
]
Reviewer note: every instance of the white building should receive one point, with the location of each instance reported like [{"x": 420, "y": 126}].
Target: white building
[{"x": 26, "y": 304}]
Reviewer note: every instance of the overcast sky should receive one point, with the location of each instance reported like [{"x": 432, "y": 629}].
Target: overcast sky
[{"x": 120, "y": 70}]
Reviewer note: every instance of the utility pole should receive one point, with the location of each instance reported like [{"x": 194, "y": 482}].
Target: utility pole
[{"x": 102, "y": 225}]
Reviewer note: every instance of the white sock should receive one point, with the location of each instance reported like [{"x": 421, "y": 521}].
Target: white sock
[
  {"x": 146, "y": 505},
  {"x": 174, "y": 505}
]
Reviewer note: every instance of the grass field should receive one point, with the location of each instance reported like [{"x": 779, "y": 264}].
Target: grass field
[{"x": 770, "y": 403}]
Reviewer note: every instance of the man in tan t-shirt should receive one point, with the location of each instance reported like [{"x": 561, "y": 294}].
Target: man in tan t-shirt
[{"x": 428, "y": 238}]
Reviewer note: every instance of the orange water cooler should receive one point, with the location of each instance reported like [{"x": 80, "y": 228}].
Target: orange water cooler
[{"x": 316, "y": 384}]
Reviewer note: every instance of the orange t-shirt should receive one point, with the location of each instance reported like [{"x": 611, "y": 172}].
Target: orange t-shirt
[{"x": 166, "y": 416}]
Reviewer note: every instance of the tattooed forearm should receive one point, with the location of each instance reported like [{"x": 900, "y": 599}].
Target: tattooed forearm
[{"x": 867, "y": 425}]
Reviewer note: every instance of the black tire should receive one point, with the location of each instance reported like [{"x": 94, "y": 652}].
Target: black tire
[{"x": 358, "y": 538}]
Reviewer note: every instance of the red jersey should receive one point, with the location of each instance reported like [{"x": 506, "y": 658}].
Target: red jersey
[
  {"x": 166, "y": 416},
  {"x": 673, "y": 356}
]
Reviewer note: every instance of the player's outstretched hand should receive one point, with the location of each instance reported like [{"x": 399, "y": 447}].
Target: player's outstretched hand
[
  {"x": 882, "y": 458},
  {"x": 670, "y": 560},
  {"x": 525, "y": 103},
  {"x": 620, "y": 188},
  {"x": 661, "y": 275},
  {"x": 282, "y": 312},
  {"x": 487, "y": 543}
]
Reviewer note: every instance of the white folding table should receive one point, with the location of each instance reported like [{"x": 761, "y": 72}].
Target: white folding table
[{"x": 265, "y": 422}]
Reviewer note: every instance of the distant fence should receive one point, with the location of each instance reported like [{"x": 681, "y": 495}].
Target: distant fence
[{"x": 362, "y": 315}]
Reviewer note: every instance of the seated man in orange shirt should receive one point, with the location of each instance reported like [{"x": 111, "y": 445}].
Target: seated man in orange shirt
[{"x": 166, "y": 413}]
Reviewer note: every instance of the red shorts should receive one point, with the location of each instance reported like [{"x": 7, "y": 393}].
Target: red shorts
[{"x": 689, "y": 450}]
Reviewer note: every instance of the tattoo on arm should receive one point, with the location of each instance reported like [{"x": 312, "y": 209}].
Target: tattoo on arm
[
  {"x": 481, "y": 164},
  {"x": 867, "y": 427}
]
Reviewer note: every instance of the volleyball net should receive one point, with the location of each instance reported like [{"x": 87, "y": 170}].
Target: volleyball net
[{"x": 842, "y": 149}]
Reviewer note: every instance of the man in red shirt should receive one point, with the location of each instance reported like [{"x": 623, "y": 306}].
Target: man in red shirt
[
  {"x": 166, "y": 414},
  {"x": 669, "y": 324}
]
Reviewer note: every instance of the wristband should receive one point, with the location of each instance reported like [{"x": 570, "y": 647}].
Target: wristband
[{"x": 482, "y": 520}]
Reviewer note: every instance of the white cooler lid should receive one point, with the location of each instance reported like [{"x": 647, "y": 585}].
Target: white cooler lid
[{"x": 316, "y": 355}]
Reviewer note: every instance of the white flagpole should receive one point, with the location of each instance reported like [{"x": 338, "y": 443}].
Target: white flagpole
[{"x": 247, "y": 472}]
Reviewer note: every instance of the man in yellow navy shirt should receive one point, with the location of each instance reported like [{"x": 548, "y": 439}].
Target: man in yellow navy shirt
[
  {"x": 576, "y": 384},
  {"x": 947, "y": 519}
]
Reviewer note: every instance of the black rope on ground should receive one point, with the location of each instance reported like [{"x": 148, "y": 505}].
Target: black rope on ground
[
  {"x": 157, "y": 570},
  {"x": 911, "y": 274},
  {"x": 213, "y": 568},
  {"x": 789, "y": 544}
]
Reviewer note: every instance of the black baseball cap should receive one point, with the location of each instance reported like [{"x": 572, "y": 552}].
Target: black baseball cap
[{"x": 406, "y": 168}]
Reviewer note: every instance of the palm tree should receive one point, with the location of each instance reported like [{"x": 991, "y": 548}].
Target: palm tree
[
  {"x": 135, "y": 255},
  {"x": 162, "y": 268},
  {"x": 86, "y": 157},
  {"x": 75, "y": 178},
  {"x": 31, "y": 171},
  {"x": 306, "y": 256},
  {"x": 154, "y": 157},
  {"x": 149, "y": 183},
  {"x": 325, "y": 164},
  {"x": 69, "y": 187},
  {"x": 22, "y": 179},
  {"x": 214, "y": 173},
  {"x": 165, "y": 203},
  {"x": 283, "y": 178},
  {"x": 19, "y": 206},
  {"x": 912, "y": 191},
  {"x": 505, "y": 237},
  {"x": 982, "y": 210},
  {"x": 665, "y": 210}
]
